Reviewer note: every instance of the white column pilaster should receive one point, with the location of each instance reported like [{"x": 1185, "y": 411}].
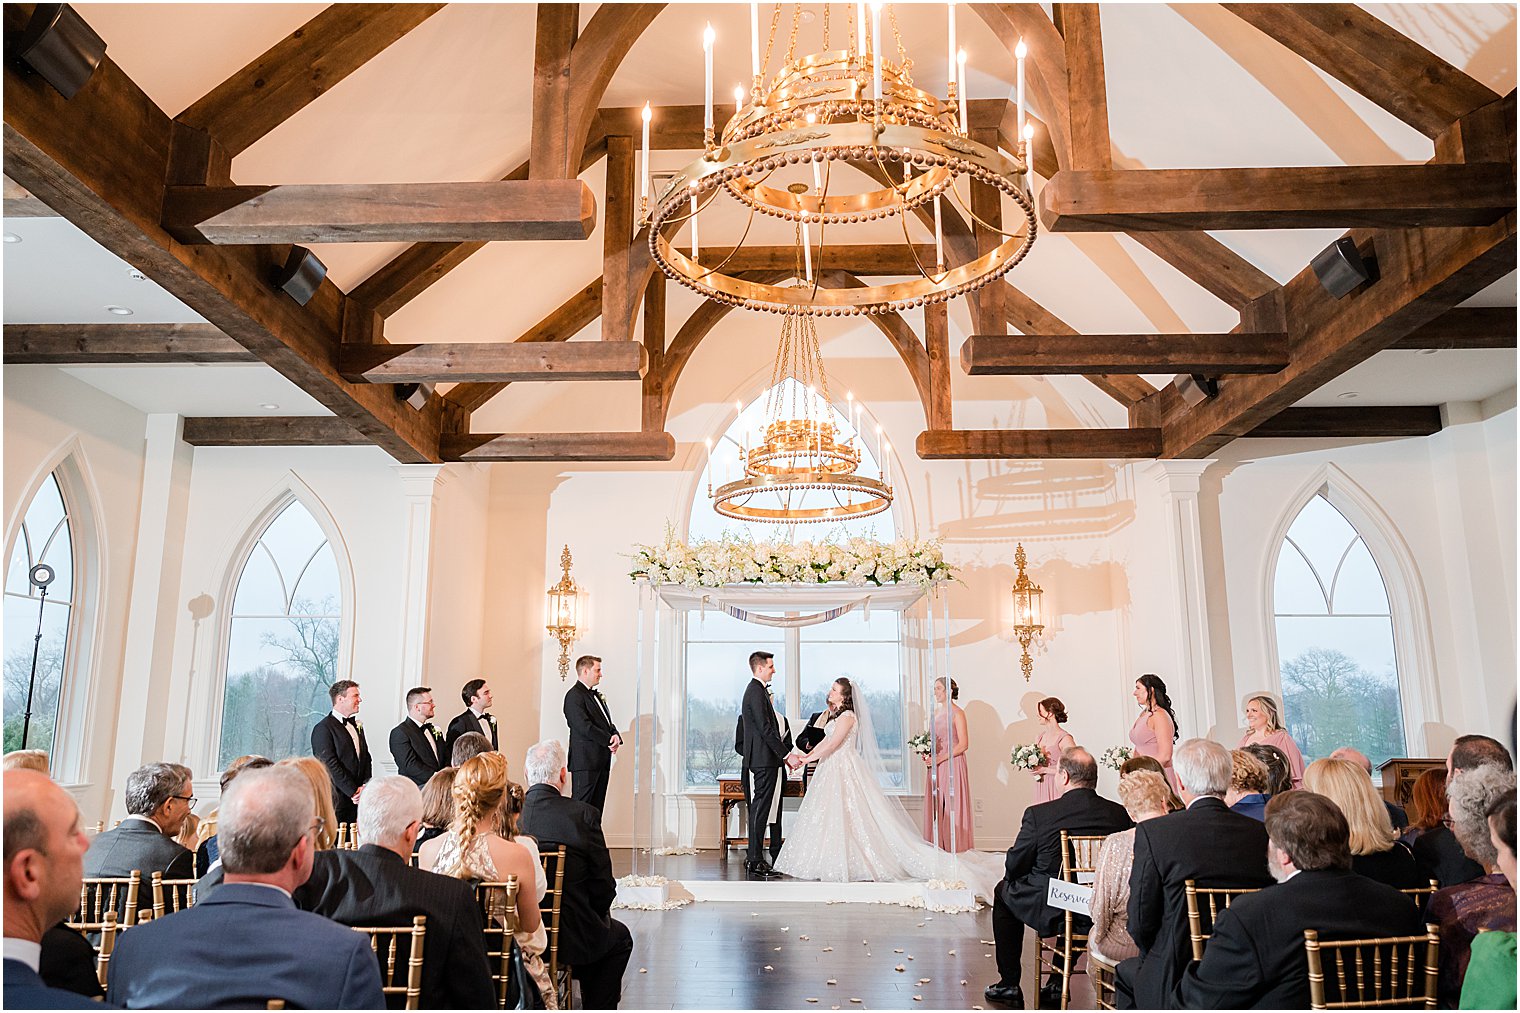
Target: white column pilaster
[
  {"x": 1180, "y": 481},
  {"x": 419, "y": 484}
]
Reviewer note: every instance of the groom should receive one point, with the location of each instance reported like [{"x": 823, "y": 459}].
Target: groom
[{"x": 764, "y": 750}]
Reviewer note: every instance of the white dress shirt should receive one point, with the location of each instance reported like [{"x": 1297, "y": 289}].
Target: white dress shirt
[
  {"x": 353, "y": 733},
  {"x": 24, "y": 950}
]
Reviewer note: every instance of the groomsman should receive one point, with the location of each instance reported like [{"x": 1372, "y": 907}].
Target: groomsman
[
  {"x": 765, "y": 749},
  {"x": 415, "y": 743},
  {"x": 593, "y": 736},
  {"x": 338, "y": 741},
  {"x": 477, "y": 699}
]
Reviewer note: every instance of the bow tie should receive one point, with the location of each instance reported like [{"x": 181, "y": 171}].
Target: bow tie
[
  {"x": 351, "y": 720},
  {"x": 427, "y": 726}
]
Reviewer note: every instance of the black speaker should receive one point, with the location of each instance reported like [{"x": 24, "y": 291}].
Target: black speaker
[
  {"x": 1195, "y": 389},
  {"x": 57, "y": 45},
  {"x": 414, "y": 394},
  {"x": 1341, "y": 269},
  {"x": 301, "y": 276}
]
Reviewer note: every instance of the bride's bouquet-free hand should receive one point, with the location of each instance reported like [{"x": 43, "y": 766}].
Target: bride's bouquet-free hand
[
  {"x": 1030, "y": 757},
  {"x": 922, "y": 744},
  {"x": 1115, "y": 757}
]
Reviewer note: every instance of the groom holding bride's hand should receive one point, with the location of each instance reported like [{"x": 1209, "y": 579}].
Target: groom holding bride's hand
[{"x": 764, "y": 749}]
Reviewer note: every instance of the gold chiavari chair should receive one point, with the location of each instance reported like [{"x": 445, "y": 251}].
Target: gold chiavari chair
[
  {"x": 554, "y": 871},
  {"x": 104, "y": 950},
  {"x": 1079, "y": 854},
  {"x": 1215, "y": 899},
  {"x": 353, "y": 836},
  {"x": 275, "y": 1004},
  {"x": 393, "y": 953},
  {"x": 170, "y": 895},
  {"x": 1421, "y": 894},
  {"x": 340, "y": 838},
  {"x": 100, "y": 826},
  {"x": 499, "y": 899},
  {"x": 1393, "y": 972},
  {"x": 101, "y": 894},
  {"x": 1102, "y": 975}
]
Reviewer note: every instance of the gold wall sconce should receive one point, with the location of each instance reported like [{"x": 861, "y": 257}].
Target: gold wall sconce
[
  {"x": 564, "y": 613},
  {"x": 1028, "y": 611}
]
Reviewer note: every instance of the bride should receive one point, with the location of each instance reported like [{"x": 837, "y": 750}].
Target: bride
[{"x": 848, "y": 830}]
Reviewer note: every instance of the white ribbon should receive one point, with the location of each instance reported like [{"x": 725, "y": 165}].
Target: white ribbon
[{"x": 788, "y": 622}]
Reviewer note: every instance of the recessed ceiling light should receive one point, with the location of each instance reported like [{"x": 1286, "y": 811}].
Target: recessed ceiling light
[
  {"x": 1427, "y": 351},
  {"x": 120, "y": 311},
  {"x": 11, "y": 237},
  {"x": 269, "y": 407},
  {"x": 136, "y": 275},
  {"x": 1349, "y": 395}
]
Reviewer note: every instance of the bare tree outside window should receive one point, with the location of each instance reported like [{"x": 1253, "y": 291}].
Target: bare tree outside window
[{"x": 45, "y": 537}]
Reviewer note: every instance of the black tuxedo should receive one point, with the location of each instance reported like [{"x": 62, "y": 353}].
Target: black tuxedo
[
  {"x": 591, "y": 731},
  {"x": 1205, "y": 843},
  {"x": 1036, "y": 857},
  {"x": 1255, "y": 958},
  {"x": 331, "y": 743},
  {"x": 467, "y": 722},
  {"x": 596, "y": 945},
  {"x": 416, "y": 752},
  {"x": 375, "y": 887},
  {"x": 764, "y": 750}
]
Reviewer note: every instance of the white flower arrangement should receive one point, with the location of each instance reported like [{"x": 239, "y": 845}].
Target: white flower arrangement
[
  {"x": 1029, "y": 757},
  {"x": 1115, "y": 757},
  {"x": 922, "y": 744},
  {"x": 857, "y": 562}
]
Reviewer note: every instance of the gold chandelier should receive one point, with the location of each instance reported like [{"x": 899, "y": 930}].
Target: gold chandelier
[{"x": 851, "y": 106}]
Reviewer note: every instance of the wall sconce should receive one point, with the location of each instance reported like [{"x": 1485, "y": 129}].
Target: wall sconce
[
  {"x": 1028, "y": 611},
  {"x": 564, "y": 608}
]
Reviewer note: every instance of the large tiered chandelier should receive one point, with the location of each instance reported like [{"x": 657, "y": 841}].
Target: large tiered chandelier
[{"x": 852, "y": 106}]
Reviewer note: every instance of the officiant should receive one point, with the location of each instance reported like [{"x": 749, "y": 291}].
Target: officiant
[{"x": 594, "y": 737}]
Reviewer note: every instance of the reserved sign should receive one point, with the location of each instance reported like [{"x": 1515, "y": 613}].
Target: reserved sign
[{"x": 1070, "y": 896}]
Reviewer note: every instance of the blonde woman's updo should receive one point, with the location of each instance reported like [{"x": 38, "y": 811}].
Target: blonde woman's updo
[{"x": 479, "y": 789}]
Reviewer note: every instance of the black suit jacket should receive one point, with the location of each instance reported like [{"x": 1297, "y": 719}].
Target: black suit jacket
[
  {"x": 331, "y": 743},
  {"x": 1439, "y": 856},
  {"x": 1036, "y": 853},
  {"x": 415, "y": 752},
  {"x": 462, "y": 723},
  {"x": 375, "y": 887},
  {"x": 1255, "y": 958},
  {"x": 68, "y": 962},
  {"x": 764, "y": 745},
  {"x": 141, "y": 846},
  {"x": 585, "y": 926},
  {"x": 591, "y": 729},
  {"x": 1206, "y": 843},
  {"x": 325, "y": 866}
]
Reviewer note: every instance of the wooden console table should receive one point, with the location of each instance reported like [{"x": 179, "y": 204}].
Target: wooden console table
[{"x": 731, "y": 794}]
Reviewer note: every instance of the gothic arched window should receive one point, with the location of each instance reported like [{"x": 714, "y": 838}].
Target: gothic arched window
[{"x": 45, "y": 537}]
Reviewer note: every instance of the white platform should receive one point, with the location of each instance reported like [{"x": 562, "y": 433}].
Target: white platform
[{"x": 799, "y": 892}]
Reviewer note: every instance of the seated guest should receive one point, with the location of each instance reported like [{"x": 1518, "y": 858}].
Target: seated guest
[
  {"x": 1462, "y": 911},
  {"x": 1205, "y": 843},
  {"x": 248, "y": 943},
  {"x": 1427, "y": 807},
  {"x": 1437, "y": 853},
  {"x": 1375, "y": 849},
  {"x": 44, "y": 867},
  {"x": 481, "y": 844},
  {"x": 1279, "y": 770},
  {"x": 1490, "y": 979},
  {"x": 1036, "y": 857},
  {"x": 1152, "y": 765},
  {"x": 315, "y": 772},
  {"x": 596, "y": 945},
  {"x": 1396, "y": 814},
  {"x": 158, "y": 799},
  {"x": 1255, "y": 957},
  {"x": 437, "y": 806},
  {"x": 378, "y": 888},
  {"x": 1145, "y": 796},
  {"x": 26, "y": 759},
  {"x": 1248, "y": 785},
  {"x": 1469, "y": 752},
  {"x": 467, "y": 745},
  {"x": 206, "y": 854}
]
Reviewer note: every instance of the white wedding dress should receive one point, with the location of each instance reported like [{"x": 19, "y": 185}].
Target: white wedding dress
[{"x": 848, "y": 830}]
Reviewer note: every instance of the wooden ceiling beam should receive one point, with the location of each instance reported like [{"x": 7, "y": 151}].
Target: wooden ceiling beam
[
  {"x": 1086, "y": 87},
  {"x": 862, "y": 260},
  {"x": 300, "y": 69},
  {"x": 272, "y": 431},
  {"x": 492, "y": 362},
  {"x": 1069, "y": 354},
  {"x": 1305, "y": 197},
  {"x": 19, "y": 202},
  {"x": 82, "y": 344},
  {"x": 1034, "y": 444},
  {"x": 1465, "y": 327},
  {"x": 1373, "y": 59},
  {"x": 595, "y": 58},
  {"x": 498, "y": 447},
  {"x": 540, "y": 209},
  {"x": 549, "y": 151},
  {"x": 1350, "y": 423}
]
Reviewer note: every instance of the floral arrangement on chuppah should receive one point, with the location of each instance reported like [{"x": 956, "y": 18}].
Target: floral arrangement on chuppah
[{"x": 857, "y": 561}]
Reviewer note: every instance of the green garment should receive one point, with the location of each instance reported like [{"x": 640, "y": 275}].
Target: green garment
[{"x": 1490, "y": 979}]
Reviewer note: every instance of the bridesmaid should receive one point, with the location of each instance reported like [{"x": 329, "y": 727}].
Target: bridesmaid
[
  {"x": 1052, "y": 738},
  {"x": 1155, "y": 730},
  {"x": 1264, "y": 727},
  {"x": 951, "y": 741}
]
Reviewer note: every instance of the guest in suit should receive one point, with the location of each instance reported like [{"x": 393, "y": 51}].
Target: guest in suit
[
  {"x": 596, "y": 945},
  {"x": 209, "y": 853},
  {"x": 247, "y": 943},
  {"x": 1396, "y": 814},
  {"x": 1206, "y": 843},
  {"x": 1255, "y": 957},
  {"x": 158, "y": 799},
  {"x": 338, "y": 741},
  {"x": 437, "y": 806},
  {"x": 1248, "y": 785},
  {"x": 1375, "y": 849},
  {"x": 593, "y": 736},
  {"x": 1145, "y": 796},
  {"x": 378, "y": 888},
  {"x": 1264, "y": 727},
  {"x": 44, "y": 867},
  {"x": 322, "y": 794},
  {"x": 1469, "y": 752},
  {"x": 416, "y": 746},
  {"x": 1034, "y": 858},
  {"x": 477, "y": 701},
  {"x": 68, "y": 962},
  {"x": 1486, "y": 903},
  {"x": 765, "y": 750},
  {"x": 467, "y": 747}
]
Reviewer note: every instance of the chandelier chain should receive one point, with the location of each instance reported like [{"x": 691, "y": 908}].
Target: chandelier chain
[
  {"x": 791, "y": 45},
  {"x": 770, "y": 43},
  {"x": 902, "y": 52},
  {"x": 826, "y": 27}
]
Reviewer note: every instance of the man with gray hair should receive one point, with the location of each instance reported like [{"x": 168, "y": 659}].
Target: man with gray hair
[
  {"x": 591, "y": 941},
  {"x": 159, "y": 798},
  {"x": 248, "y": 943},
  {"x": 1205, "y": 843}
]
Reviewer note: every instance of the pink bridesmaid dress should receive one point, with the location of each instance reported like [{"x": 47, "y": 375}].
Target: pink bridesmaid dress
[
  {"x": 954, "y": 814},
  {"x": 1283, "y": 741},
  {"x": 1048, "y": 789},
  {"x": 1144, "y": 738}
]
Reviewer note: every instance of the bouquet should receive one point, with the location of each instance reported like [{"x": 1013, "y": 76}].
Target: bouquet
[
  {"x": 922, "y": 744},
  {"x": 1115, "y": 757},
  {"x": 1030, "y": 757}
]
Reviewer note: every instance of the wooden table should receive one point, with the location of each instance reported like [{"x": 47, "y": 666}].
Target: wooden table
[{"x": 731, "y": 794}]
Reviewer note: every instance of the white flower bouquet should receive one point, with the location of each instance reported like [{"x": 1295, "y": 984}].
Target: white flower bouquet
[
  {"x": 922, "y": 743},
  {"x": 1030, "y": 757},
  {"x": 858, "y": 562},
  {"x": 1115, "y": 757}
]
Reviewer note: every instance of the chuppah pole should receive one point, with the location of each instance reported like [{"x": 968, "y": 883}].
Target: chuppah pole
[
  {"x": 949, "y": 715},
  {"x": 654, "y": 732},
  {"x": 934, "y": 779},
  {"x": 645, "y": 594}
]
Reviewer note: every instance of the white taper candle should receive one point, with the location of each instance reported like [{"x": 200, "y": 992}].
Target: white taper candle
[
  {"x": 1020, "y": 51},
  {"x": 694, "y": 228},
  {"x": 860, "y": 32},
  {"x": 876, "y": 49},
  {"x": 807, "y": 253},
  {"x": 950, "y": 63},
  {"x": 939, "y": 237},
  {"x": 960, "y": 74},
  {"x": 644, "y": 183},
  {"x": 754, "y": 40},
  {"x": 707, "y": 55}
]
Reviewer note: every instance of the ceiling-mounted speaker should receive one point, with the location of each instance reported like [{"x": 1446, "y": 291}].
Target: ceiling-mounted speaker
[
  {"x": 414, "y": 394},
  {"x": 301, "y": 276},
  {"x": 1195, "y": 389},
  {"x": 58, "y": 46},
  {"x": 1341, "y": 269}
]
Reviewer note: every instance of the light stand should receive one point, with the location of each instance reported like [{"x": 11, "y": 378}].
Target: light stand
[{"x": 41, "y": 576}]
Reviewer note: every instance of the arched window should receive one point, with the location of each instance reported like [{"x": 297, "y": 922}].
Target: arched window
[
  {"x": 1335, "y": 639},
  {"x": 45, "y": 537},
  {"x": 283, "y": 640}
]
